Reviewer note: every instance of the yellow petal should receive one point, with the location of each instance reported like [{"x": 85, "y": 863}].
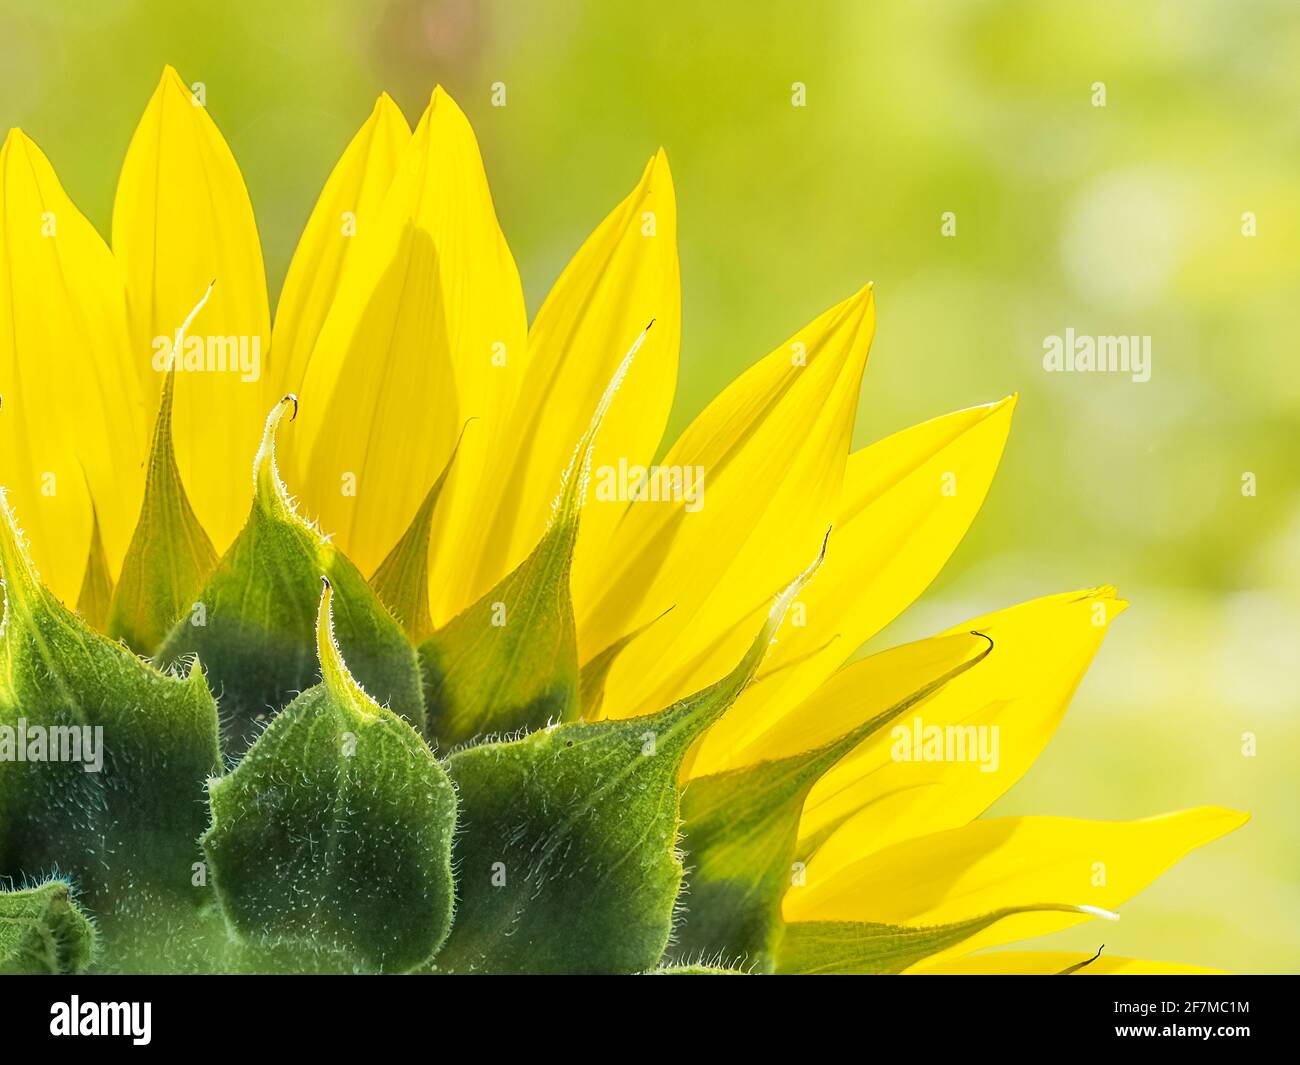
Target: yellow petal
[
  {"x": 428, "y": 303},
  {"x": 1005, "y": 862},
  {"x": 181, "y": 220},
  {"x": 349, "y": 204},
  {"x": 772, "y": 449},
  {"x": 855, "y": 695},
  {"x": 1049, "y": 963},
  {"x": 622, "y": 277},
  {"x": 1016, "y": 697},
  {"x": 72, "y": 422},
  {"x": 907, "y": 502}
]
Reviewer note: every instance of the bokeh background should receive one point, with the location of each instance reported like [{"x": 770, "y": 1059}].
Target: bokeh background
[{"x": 1122, "y": 219}]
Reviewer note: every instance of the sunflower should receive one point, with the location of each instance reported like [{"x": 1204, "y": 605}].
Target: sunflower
[{"x": 519, "y": 696}]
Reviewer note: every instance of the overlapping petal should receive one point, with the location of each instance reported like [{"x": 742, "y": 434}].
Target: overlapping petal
[
  {"x": 73, "y": 422},
  {"x": 427, "y": 330},
  {"x": 349, "y": 204},
  {"x": 988, "y": 865},
  {"x": 1016, "y": 697},
  {"x": 402, "y": 322},
  {"x": 772, "y": 449},
  {"x": 907, "y": 502},
  {"x": 855, "y": 695},
  {"x": 623, "y": 276},
  {"x": 182, "y": 219}
]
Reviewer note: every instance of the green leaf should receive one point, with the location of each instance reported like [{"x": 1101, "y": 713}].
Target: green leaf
[
  {"x": 510, "y": 661},
  {"x": 741, "y": 827},
  {"x": 96, "y": 595},
  {"x": 861, "y": 949},
  {"x": 42, "y": 931},
  {"x": 567, "y": 858},
  {"x": 253, "y": 625},
  {"x": 334, "y": 831},
  {"x": 170, "y": 555},
  {"x": 115, "y": 753},
  {"x": 402, "y": 579}
]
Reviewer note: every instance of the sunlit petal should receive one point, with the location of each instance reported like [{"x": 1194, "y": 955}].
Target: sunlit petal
[
  {"x": 349, "y": 204},
  {"x": 1006, "y": 862},
  {"x": 1003, "y": 712},
  {"x": 427, "y": 331},
  {"x": 72, "y": 421},
  {"x": 623, "y": 276},
  {"x": 181, "y": 220},
  {"x": 772, "y": 449},
  {"x": 906, "y": 504}
]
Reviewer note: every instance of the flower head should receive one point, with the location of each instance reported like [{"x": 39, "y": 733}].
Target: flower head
[{"x": 663, "y": 749}]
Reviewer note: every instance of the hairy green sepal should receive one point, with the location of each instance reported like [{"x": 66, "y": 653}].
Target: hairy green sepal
[
  {"x": 253, "y": 625},
  {"x": 334, "y": 831}
]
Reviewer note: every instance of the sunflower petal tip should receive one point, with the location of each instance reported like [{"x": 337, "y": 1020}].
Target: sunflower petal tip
[
  {"x": 1213, "y": 822},
  {"x": 655, "y": 187},
  {"x": 386, "y": 105},
  {"x": 858, "y": 307},
  {"x": 1097, "y": 911},
  {"x": 1103, "y": 593},
  {"x": 1109, "y": 593},
  {"x": 865, "y": 308},
  {"x": 1006, "y": 406},
  {"x": 864, "y": 302},
  {"x": 658, "y": 166},
  {"x": 171, "y": 78},
  {"x": 1238, "y": 817}
]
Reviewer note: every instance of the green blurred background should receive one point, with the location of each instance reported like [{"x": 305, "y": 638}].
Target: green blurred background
[{"x": 1123, "y": 219}]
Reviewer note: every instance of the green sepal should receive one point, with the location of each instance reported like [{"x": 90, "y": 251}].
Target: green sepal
[
  {"x": 96, "y": 594},
  {"x": 170, "y": 556},
  {"x": 857, "y": 948},
  {"x": 402, "y": 579},
  {"x": 510, "y": 661},
  {"x": 334, "y": 831},
  {"x": 567, "y": 857},
  {"x": 740, "y": 830},
  {"x": 695, "y": 970},
  {"x": 42, "y": 931},
  {"x": 253, "y": 625},
  {"x": 121, "y": 809}
]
